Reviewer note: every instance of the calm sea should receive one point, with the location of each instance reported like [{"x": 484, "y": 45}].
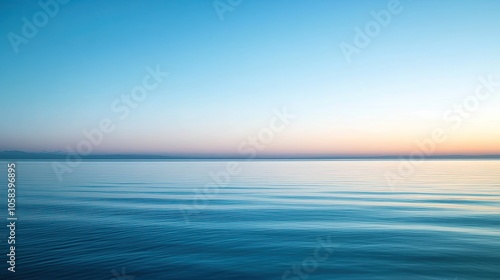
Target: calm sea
[{"x": 267, "y": 220}]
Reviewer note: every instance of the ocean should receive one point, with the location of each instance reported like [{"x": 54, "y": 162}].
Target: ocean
[{"x": 262, "y": 219}]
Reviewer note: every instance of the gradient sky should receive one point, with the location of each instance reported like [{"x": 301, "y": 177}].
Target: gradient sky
[{"x": 227, "y": 76}]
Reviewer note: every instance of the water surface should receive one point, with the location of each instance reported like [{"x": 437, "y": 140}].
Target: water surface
[{"x": 157, "y": 220}]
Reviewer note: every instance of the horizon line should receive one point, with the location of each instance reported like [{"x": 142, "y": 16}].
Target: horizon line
[{"x": 14, "y": 154}]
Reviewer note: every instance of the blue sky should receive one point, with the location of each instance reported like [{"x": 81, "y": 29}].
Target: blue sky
[{"x": 226, "y": 77}]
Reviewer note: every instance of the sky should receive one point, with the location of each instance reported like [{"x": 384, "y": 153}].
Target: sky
[{"x": 349, "y": 84}]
